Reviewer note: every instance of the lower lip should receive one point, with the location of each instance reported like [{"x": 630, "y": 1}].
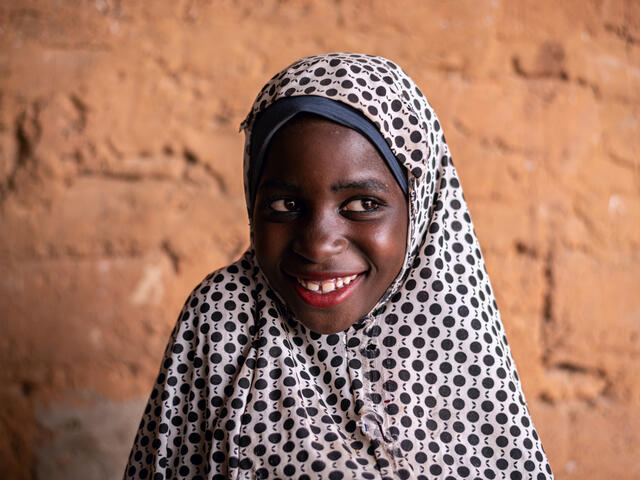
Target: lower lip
[{"x": 325, "y": 300}]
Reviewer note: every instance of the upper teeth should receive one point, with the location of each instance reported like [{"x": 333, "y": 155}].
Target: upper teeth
[{"x": 326, "y": 286}]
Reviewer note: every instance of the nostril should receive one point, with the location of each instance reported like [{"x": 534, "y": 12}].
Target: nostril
[{"x": 319, "y": 245}]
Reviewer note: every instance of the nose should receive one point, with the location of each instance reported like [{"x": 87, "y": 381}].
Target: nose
[{"x": 320, "y": 236}]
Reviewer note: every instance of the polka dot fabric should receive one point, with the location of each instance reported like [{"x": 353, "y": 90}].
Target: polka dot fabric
[{"x": 424, "y": 387}]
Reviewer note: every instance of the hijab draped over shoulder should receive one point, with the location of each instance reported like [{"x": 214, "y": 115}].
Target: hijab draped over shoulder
[{"x": 423, "y": 387}]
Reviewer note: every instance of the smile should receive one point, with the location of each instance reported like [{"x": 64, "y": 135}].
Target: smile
[
  {"x": 326, "y": 292},
  {"x": 326, "y": 286}
]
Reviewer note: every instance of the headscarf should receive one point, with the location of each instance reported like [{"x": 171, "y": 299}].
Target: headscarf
[{"x": 424, "y": 386}]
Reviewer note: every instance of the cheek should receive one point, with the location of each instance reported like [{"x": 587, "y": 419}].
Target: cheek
[
  {"x": 267, "y": 242},
  {"x": 387, "y": 245}
]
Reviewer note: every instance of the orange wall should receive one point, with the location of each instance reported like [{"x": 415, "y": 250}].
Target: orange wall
[{"x": 120, "y": 188}]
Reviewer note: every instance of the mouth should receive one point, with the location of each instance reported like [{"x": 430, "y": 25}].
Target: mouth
[
  {"x": 326, "y": 292},
  {"x": 326, "y": 286}
]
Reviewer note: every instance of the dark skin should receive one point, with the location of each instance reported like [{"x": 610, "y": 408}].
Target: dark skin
[{"x": 327, "y": 209}]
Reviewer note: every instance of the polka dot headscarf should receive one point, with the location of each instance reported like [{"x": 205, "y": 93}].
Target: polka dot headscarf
[{"x": 424, "y": 387}]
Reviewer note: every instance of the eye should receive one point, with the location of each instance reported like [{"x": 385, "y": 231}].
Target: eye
[
  {"x": 362, "y": 205},
  {"x": 284, "y": 205}
]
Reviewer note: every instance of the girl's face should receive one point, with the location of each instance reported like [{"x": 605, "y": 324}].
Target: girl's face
[{"x": 329, "y": 223}]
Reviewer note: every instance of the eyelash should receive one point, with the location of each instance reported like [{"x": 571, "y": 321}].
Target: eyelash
[
  {"x": 377, "y": 205},
  {"x": 284, "y": 202}
]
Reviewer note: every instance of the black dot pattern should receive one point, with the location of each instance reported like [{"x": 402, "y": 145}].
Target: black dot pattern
[{"x": 424, "y": 387}]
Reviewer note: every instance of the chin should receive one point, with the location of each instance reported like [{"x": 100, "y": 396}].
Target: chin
[{"x": 324, "y": 327}]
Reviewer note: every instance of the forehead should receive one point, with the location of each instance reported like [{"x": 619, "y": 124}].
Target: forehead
[{"x": 313, "y": 146}]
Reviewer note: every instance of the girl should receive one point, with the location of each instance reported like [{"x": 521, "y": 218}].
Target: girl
[{"x": 358, "y": 337}]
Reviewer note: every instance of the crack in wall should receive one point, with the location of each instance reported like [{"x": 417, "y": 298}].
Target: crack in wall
[
  {"x": 173, "y": 256},
  {"x": 191, "y": 158},
  {"x": 519, "y": 70},
  {"x": 570, "y": 380},
  {"x": 526, "y": 250},
  {"x": 82, "y": 113},
  {"x": 548, "y": 311},
  {"x": 622, "y": 32},
  {"x": 27, "y": 133},
  {"x": 548, "y": 63},
  {"x": 113, "y": 164},
  {"x": 565, "y": 378},
  {"x": 496, "y": 143}
]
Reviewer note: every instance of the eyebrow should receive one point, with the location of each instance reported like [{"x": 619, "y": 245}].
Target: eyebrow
[
  {"x": 277, "y": 184},
  {"x": 365, "y": 184}
]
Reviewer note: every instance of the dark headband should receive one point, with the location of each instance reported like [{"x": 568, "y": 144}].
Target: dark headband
[{"x": 269, "y": 121}]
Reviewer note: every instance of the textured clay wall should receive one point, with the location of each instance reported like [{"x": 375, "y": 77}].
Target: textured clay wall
[{"x": 120, "y": 188}]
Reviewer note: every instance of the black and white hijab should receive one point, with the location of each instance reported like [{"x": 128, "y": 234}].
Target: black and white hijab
[{"x": 424, "y": 387}]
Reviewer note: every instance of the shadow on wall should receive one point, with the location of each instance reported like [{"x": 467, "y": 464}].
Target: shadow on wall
[{"x": 90, "y": 442}]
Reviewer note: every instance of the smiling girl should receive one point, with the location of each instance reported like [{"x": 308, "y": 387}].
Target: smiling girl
[{"x": 358, "y": 336}]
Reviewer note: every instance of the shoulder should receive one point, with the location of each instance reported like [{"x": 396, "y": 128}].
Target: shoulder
[
  {"x": 207, "y": 349},
  {"x": 224, "y": 300}
]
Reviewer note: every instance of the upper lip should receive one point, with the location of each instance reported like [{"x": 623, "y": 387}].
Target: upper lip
[{"x": 319, "y": 276}]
